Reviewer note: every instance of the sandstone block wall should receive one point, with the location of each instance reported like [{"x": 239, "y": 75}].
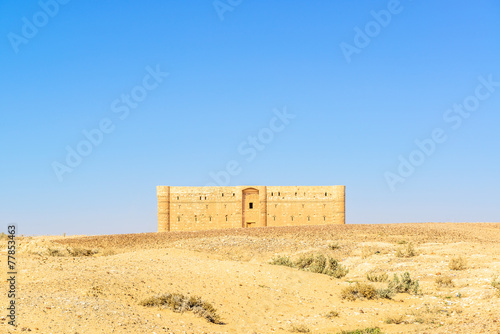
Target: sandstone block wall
[{"x": 203, "y": 208}]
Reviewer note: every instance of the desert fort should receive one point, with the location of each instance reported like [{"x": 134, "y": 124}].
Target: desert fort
[{"x": 206, "y": 208}]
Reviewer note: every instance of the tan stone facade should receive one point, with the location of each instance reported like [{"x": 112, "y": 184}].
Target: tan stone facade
[{"x": 204, "y": 208}]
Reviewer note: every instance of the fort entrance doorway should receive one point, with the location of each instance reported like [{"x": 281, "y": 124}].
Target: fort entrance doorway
[{"x": 251, "y": 208}]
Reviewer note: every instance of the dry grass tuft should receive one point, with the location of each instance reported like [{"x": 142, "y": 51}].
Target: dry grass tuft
[
  {"x": 397, "y": 319},
  {"x": 457, "y": 263},
  {"x": 108, "y": 252},
  {"x": 367, "y": 251},
  {"x": 77, "y": 251},
  {"x": 370, "y": 330},
  {"x": 72, "y": 251},
  {"x": 495, "y": 282},
  {"x": 334, "y": 246},
  {"x": 408, "y": 251},
  {"x": 95, "y": 291},
  {"x": 300, "y": 329},
  {"x": 55, "y": 252},
  {"x": 442, "y": 281},
  {"x": 358, "y": 291},
  {"x": 372, "y": 277},
  {"x": 332, "y": 314},
  {"x": 180, "y": 303}
]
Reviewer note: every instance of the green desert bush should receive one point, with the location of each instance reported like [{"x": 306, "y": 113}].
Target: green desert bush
[
  {"x": 335, "y": 269},
  {"x": 318, "y": 265},
  {"x": 282, "y": 261},
  {"x": 457, "y": 263},
  {"x": 313, "y": 263},
  {"x": 404, "y": 284},
  {"x": 358, "y": 291},
  {"x": 386, "y": 293},
  {"x": 373, "y": 277},
  {"x": 304, "y": 261},
  {"x": 180, "y": 303}
]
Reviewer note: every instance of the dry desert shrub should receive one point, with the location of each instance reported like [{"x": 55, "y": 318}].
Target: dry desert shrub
[
  {"x": 77, "y": 251},
  {"x": 55, "y": 252},
  {"x": 3, "y": 236},
  {"x": 495, "y": 282},
  {"x": 332, "y": 314},
  {"x": 442, "y": 281},
  {"x": 422, "y": 316},
  {"x": 108, "y": 252},
  {"x": 394, "y": 319},
  {"x": 420, "y": 320},
  {"x": 180, "y": 303},
  {"x": 358, "y": 291},
  {"x": 95, "y": 291},
  {"x": 404, "y": 284},
  {"x": 367, "y": 251},
  {"x": 408, "y": 251},
  {"x": 300, "y": 329},
  {"x": 369, "y": 330},
  {"x": 373, "y": 277},
  {"x": 457, "y": 263},
  {"x": 334, "y": 246}
]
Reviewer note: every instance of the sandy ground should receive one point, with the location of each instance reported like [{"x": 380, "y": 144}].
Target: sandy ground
[{"x": 230, "y": 269}]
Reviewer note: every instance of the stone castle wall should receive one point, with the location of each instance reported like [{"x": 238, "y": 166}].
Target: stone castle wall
[{"x": 204, "y": 208}]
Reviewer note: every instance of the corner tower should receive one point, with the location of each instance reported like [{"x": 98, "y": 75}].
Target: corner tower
[{"x": 163, "y": 194}]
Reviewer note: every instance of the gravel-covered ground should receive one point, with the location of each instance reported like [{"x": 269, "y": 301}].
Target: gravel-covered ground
[{"x": 70, "y": 291}]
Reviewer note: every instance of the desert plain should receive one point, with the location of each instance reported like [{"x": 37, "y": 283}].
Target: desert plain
[{"x": 98, "y": 284}]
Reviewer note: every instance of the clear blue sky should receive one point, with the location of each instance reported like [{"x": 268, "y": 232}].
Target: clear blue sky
[{"x": 361, "y": 91}]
